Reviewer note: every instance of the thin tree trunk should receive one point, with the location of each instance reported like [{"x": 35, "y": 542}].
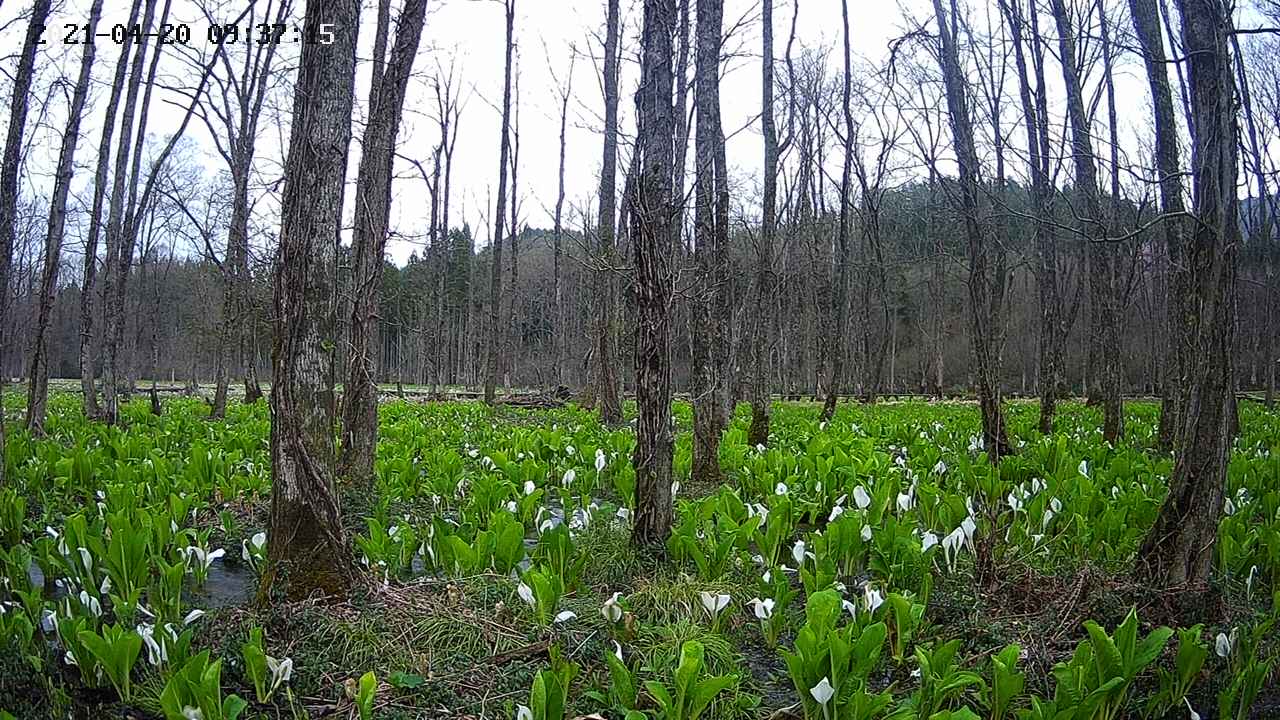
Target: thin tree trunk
[
  {"x": 651, "y": 241},
  {"x": 307, "y": 549},
  {"x": 38, "y": 377},
  {"x": 559, "y": 337},
  {"x": 9, "y": 176},
  {"x": 373, "y": 208},
  {"x": 606, "y": 374},
  {"x": 89, "y": 289},
  {"x": 492, "y": 361},
  {"x": 839, "y": 311}
]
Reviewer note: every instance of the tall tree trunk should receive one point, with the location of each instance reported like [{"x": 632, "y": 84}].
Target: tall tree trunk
[
  {"x": 984, "y": 295},
  {"x": 710, "y": 324},
  {"x": 608, "y": 396},
  {"x": 120, "y": 221},
  {"x": 839, "y": 311},
  {"x": 1146, "y": 24},
  {"x": 1178, "y": 550},
  {"x": 9, "y": 176},
  {"x": 651, "y": 242},
  {"x": 373, "y": 208},
  {"x": 38, "y": 377},
  {"x": 89, "y": 289},
  {"x": 762, "y": 314},
  {"x": 1103, "y": 283},
  {"x": 559, "y": 335},
  {"x": 494, "y": 346},
  {"x": 307, "y": 549}
]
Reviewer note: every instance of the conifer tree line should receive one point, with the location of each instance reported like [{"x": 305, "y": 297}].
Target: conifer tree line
[{"x": 978, "y": 211}]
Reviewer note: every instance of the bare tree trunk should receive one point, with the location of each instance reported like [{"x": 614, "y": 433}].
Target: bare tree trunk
[
  {"x": 1103, "y": 283},
  {"x": 651, "y": 240},
  {"x": 9, "y": 176},
  {"x": 38, "y": 377},
  {"x": 710, "y": 322},
  {"x": 89, "y": 289},
  {"x": 1179, "y": 548},
  {"x": 1146, "y": 23},
  {"x": 120, "y": 221},
  {"x": 373, "y": 208},
  {"x": 307, "y": 548},
  {"x": 762, "y": 320},
  {"x": 492, "y": 361},
  {"x": 839, "y": 311},
  {"x": 606, "y": 374},
  {"x": 558, "y": 339},
  {"x": 984, "y": 293}
]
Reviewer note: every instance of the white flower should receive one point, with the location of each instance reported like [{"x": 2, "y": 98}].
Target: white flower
[
  {"x": 192, "y": 713},
  {"x": 905, "y": 502},
  {"x": 822, "y": 692},
  {"x": 523, "y": 713},
  {"x": 836, "y": 512},
  {"x": 780, "y": 489},
  {"x": 939, "y": 467},
  {"x": 48, "y": 620},
  {"x": 928, "y": 541},
  {"x": 600, "y": 460},
  {"x": 623, "y": 513},
  {"x": 193, "y": 616},
  {"x": 713, "y": 604},
  {"x": 675, "y": 488},
  {"x": 861, "y": 498},
  {"x": 529, "y": 487},
  {"x": 762, "y": 608},
  {"x": 87, "y": 559},
  {"x": 798, "y": 552},
  {"x": 611, "y": 610},
  {"x": 566, "y": 616},
  {"x": 1083, "y": 469},
  {"x": 156, "y": 653},
  {"x": 105, "y": 587},
  {"x": 569, "y": 477},
  {"x": 91, "y": 603},
  {"x": 526, "y": 593},
  {"x": 617, "y": 649},
  {"x": 1223, "y": 645},
  {"x": 866, "y": 533},
  {"x": 570, "y": 450},
  {"x": 1228, "y": 508},
  {"x": 281, "y": 670},
  {"x": 873, "y": 598},
  {"x": 512, "y": 507},
  {"x": 1194, "y": 715}
]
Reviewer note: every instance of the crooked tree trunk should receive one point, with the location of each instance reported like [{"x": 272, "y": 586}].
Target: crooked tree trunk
[
  {"x": 558, "y": 338},
  {"x": 494, "y": 339},
  {"x": 608, "y": 397},
  {"x": 1178, "y": 550},
  {"x": 710, "y": 322},
  {"x": 307, "y": 549},
  {"x": 651, "y": 241},
  {"x": 373, "y": 208},
  {"x": 9, "y": 176},
  {"x": 38, "y": 377}
]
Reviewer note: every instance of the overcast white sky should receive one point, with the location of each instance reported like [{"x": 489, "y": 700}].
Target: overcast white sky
[{"x": 469, "y": 33}]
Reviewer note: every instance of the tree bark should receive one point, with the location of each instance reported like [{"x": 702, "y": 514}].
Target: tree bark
[
  {"x": 984, "y": 290},
  {"x": 559, "y": 337},
  {"x": 494, "y": 340},
  {"x": 710, "y": 321},
  {"x": 651, "y": 241},
  {"x": 1178, "y": 550},
  {"x": 1103, "y": 283},
  {"x": 38, "y": 377},
  {"x": 839, "y": 310},
  {"x": 307, "y": 549},
  {"x": 608, "y": 396},
  {"x": 9, "y": 171},
  {"x": 373, "y": 209}
]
